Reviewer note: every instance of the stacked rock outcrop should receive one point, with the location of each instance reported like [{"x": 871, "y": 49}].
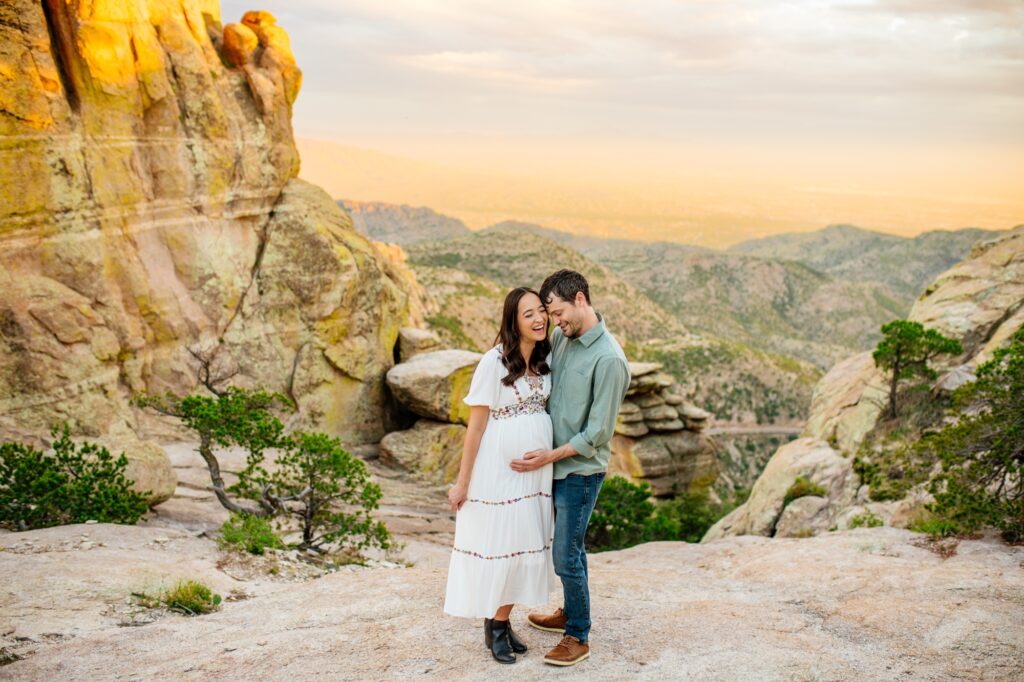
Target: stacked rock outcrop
[
  {"x": 659, "y": 435},
  {"x": 149, "y": 205}
]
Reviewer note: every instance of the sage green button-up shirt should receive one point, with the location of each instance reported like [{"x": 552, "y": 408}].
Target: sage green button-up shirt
[{"x": 590, "y": 376}]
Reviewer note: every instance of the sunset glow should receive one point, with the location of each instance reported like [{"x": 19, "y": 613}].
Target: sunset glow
[{"x": 696, "y": 121}]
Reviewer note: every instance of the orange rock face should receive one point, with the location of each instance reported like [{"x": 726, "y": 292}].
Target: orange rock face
[{"x": 149, "y": 203}]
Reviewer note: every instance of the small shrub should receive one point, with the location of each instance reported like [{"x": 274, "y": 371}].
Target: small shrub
[
  {"x": 252, "y": 534},
  {"x": 191, "y": 598},
  {"x": 621, "y": 514},
  {"x": 230, "y": 417},
  {"x": 935, "y": 527},
  {"x": 689, "y": 515},
  {"x": 904, "y": 352},
  {"x": 625, "y": 515},
  {"x": 802, "y": 487},
  {"x": 866, "y": 520},
  {"x": 187, "y": 596},
  {"x": 316, "y": 483},
  {"x": 327, "y": 490},
  {"x": 77, "y": 483}
]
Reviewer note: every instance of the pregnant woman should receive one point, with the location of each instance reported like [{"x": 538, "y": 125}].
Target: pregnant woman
[{"x": 503, "y": 523}]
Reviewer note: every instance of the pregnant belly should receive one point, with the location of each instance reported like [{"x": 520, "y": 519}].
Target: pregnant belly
[{"x": 521, "y": 435}]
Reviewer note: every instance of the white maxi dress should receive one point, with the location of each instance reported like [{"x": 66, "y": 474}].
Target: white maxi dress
[{"x": 504, "y": 530}]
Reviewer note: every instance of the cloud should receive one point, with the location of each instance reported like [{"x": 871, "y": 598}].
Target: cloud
[
  {"x": 668, "y": 67},
  {"x": 495, "y": 67}
]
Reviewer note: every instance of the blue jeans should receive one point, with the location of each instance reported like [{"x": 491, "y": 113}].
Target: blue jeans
[{"x": 574, "y": 497}]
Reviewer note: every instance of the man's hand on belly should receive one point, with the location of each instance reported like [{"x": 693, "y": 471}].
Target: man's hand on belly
[{"x": 535, "y": 459}]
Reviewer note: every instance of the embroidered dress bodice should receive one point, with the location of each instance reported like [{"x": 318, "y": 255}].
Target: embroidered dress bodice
[{"x": 534, "y": 402}]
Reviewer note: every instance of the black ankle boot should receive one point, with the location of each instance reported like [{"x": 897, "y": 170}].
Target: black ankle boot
[
  {"x": 518, "y": 645},
  {"x": 496, "y": 637}
]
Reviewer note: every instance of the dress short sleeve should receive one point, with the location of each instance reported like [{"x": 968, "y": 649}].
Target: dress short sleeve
[{"x": 486, "y": 384}]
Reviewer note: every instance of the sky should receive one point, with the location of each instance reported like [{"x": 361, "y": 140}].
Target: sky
[{"x": 695, "y": 120}]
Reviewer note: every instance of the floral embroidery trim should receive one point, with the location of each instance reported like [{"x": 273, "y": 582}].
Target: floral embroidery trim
[
  {"x": 502, "y": 556},
  {"x": 534, "y": 404},
  {"x": 510, "y": 501}
]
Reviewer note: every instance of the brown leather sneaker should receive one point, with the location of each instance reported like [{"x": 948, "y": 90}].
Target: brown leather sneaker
[
  {"x": 568, "y": 652},
  {"x": 553, "y": 623}
]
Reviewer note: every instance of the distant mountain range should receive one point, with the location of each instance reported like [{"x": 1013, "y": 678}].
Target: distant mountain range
[
  {"x": 778, "y": 306},
  {"x": 401, "y": 224},
  {"x": 906, "y": 265},
  {"x": 750, "y": 326},
  {"x": 817, "y": 296}
]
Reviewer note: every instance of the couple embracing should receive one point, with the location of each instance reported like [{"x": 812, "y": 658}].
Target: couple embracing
[{"x": 542, "y": 412}]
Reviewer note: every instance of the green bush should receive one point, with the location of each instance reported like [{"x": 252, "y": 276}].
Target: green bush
[
  {"x": 938, "y": 528},
  {"x": 187, "y": 596},
  {"x": 625, "y": 515},
  {"x": 692, "y": 515},
  {"x": 316, "y": 483},
  {"x": 330, "y": 494},
  {"x": 866, "y": 520},
  {"x": 252, "y": 534},
  {"x": 230, "y": 417},
  {"x": 982, "y": 453},
  {"x": 899, "y": 476},
  {"x": 802, "y": 487},
  {"x": 620, "y": 515},
  {"x": 76, "y": 483}
]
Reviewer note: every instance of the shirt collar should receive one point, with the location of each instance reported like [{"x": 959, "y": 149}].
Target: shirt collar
[{"x": 593, "y": 333}]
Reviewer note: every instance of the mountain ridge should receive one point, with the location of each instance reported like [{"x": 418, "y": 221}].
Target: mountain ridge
[
  {"x": 392, "y": 223},
  {"x": 905, "y": 265}
]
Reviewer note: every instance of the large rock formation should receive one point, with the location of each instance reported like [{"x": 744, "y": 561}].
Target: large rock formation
[
  {"x": 659, "y": 436},
  {"x": 430, "y": 449},
  {"x": 765, "y": 512},
  {"x": 979, "y": 301},
  {"x": 434, "y": 384},
  {"x": 150, "y": 205}
]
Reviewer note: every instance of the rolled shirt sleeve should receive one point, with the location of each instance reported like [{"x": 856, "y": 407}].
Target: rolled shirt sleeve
[{"x": 611, "y": 379}]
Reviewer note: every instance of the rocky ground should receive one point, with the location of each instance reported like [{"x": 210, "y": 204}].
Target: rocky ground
[{"x": 868, "y": 604}]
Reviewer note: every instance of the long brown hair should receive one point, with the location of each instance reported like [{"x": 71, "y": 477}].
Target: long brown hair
[{"x": 508, "y": 337}]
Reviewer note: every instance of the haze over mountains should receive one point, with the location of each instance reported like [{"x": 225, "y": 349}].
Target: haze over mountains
[{"x": 655, "y": 191}]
